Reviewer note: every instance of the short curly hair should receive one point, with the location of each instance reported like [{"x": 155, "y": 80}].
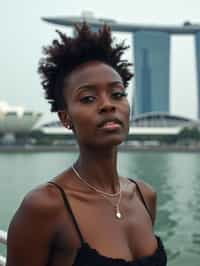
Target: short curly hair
[{"x": 64, "y": 55}]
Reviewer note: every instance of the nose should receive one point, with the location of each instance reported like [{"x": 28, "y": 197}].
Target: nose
[{"x": 106, "y": 105}]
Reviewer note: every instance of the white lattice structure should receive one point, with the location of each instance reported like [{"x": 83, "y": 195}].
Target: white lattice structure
[{"x": 15, "y": 119}]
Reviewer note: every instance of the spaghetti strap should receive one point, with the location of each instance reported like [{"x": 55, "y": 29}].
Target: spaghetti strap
[
  {"x": 142, "y": 198},
  {"x": 68, "y": 207}
]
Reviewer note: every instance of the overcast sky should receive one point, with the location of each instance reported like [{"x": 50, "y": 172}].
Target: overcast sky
[{"x": 23, "y": 34}]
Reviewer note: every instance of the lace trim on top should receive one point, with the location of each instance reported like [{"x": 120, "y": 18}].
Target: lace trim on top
[{"x": 89, "y": 256}]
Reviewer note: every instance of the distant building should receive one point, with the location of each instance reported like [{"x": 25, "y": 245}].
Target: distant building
[
  {"x": 154, "y": 123},
  {"x": 15, "y": 119},
  {"x": 197, "y": 42},
  {"x": 55, "y": 128},
  {"x": 151, "y": 49},
  {"x": 151, "y": 58}
]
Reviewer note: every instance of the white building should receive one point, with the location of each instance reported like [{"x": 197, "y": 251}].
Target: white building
[
  {"x": 15, "y": 119},
  {"x": 154, "y": 123}
]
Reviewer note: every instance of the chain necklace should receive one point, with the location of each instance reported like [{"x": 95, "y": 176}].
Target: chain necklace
[
  {"x": 118, "y": 213},
  {"x": 104, "y": 194}
]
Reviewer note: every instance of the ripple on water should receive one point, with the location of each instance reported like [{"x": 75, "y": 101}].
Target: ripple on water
[{"x": 175, "y": 176}]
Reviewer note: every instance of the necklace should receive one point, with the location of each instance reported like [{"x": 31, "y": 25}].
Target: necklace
[
  {"x": 94, "y": 188},
  {"x": 103, "y": 194},
  {"x": 118, "y": 213}
]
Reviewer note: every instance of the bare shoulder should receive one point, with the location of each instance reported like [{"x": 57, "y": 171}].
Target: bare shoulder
[
  {"x": 33, "y": 227},
  {"x": 43, "y": 200},
  {"x": 149, "y": 195},
  {"x": 39, "y": 209},
  {"x": 147, "y": 190}
]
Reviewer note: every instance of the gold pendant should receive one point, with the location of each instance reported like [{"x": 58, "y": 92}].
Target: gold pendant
[{"x": 118, "y": 213}]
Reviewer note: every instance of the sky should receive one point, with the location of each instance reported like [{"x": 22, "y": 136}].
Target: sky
[{"x": 23, "y": 33}]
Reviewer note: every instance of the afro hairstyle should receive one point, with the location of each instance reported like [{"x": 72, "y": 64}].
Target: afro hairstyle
[{"x": 67, "y": 53}]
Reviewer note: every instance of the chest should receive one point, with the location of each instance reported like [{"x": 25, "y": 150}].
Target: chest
[{"x": 128, "y": 238}]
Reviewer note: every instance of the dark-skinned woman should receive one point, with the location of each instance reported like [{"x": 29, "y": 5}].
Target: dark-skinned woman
[{"x": 88, "y": 215}]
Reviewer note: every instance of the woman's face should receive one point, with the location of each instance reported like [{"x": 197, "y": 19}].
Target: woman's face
[{"x": 97, "y": 105}]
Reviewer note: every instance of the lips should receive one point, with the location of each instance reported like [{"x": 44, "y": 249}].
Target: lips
[{"x": 110, "y": 123}]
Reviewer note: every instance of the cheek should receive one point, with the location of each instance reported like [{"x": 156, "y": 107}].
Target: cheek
[
  {"x": 126, "y": 110},
  {"x": 81, "y": 123}
]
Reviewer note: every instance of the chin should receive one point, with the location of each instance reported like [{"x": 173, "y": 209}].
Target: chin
[
  {"x": 105, "y": 142},
  {"x": 112, "y": 142}
]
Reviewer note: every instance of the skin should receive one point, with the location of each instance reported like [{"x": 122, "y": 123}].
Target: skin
[{"x": 41, "y": 232}]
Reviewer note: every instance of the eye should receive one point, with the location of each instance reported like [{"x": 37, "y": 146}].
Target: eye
[
  {"x": 87, "y": 99},
  {"x": 119, "y": 94}
]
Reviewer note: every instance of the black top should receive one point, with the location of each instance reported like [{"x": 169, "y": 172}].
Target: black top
[{"x": 87, "y": 256}]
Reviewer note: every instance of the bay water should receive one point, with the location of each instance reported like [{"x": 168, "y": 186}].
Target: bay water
[{"x": 175, "y": 177}]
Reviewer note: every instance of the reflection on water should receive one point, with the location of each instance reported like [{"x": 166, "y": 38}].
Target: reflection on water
[
  {"x": 185, "y": 171},
  {"x": 175, "y": 176}
]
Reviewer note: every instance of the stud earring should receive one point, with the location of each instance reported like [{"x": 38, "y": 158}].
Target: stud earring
[
  {"x": 70, "y": 125},
  {"x": 65, "y": 124}
]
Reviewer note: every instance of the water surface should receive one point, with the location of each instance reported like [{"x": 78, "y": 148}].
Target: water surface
[{"x": 175, "y": 176}]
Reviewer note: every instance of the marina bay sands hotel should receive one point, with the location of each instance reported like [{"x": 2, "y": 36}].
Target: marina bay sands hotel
[{"x": 151, "y": 58}]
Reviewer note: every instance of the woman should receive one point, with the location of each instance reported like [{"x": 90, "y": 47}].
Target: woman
[{"x": 88, "y": 214}]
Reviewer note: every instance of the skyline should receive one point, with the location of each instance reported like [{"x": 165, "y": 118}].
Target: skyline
[
  {"x": 186, "y": 27},
  {"x": 151, "y": 58},
  {"x": 24, "y": 33}
]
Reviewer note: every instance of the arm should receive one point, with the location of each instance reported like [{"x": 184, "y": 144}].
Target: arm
[{"x": 30, "y": 232}]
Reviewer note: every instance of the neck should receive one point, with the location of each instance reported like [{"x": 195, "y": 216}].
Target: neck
[{"x": 99, "y": 169}]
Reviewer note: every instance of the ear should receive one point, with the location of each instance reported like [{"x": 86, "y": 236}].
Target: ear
[{"x": 64, "y": 118}]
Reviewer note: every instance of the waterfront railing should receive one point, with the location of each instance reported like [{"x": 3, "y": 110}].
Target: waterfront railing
[{"x": 3, "y": 240}]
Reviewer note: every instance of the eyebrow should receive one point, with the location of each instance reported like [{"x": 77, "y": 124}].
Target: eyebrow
[{"x": 93, "y": 86}]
